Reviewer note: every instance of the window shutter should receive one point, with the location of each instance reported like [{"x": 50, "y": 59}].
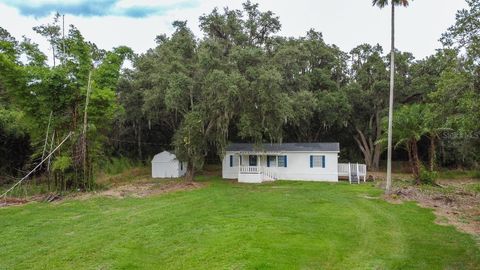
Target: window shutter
[
  {"x": 268, "y": 161},
  {"x": 323, "y": 161},
  {"x": 311, "y": 161},
  {"x": 231, "y": 160},
  {"x": 285, "y": 157}
]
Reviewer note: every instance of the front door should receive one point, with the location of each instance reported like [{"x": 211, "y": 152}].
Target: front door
[{"x": 252, "y": 160}]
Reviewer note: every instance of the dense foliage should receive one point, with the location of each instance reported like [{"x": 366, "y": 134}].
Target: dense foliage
[{"x": 241, "y": 81}]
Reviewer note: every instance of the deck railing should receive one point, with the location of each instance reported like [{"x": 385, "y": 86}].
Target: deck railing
[{"x": 350, "y": 169}]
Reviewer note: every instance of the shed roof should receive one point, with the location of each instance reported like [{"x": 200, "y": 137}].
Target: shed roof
[
  {"x": 164, "y": 156},
  {"x": 285, "y": 147}
]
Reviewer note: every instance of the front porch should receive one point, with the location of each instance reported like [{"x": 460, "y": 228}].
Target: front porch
[{"x": 257, "y": 168}]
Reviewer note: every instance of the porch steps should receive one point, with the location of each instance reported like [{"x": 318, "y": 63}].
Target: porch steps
[
  {"x": 268, "y": 178},
  {"x": 354, "y": 179}
]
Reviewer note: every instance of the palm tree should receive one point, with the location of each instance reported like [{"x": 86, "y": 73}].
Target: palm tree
[
  {"x": 410, "y": 129},
  {"x": 382, "y": 4}
]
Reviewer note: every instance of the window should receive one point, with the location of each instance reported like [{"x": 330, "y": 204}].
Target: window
[
  {"x": 252, "y": 160},
  {"x": 317, "y": 161},
  {"x": 234, "y": 160},
  {"x": 271, "y": 161},
  {"x": 282, "y": 161}
]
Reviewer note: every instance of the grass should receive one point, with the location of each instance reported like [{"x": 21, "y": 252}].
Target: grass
[
  {"x": 117, "y": 165},
  {"x": 458, "y": 174},
  {"x": 280, "y": 225}
]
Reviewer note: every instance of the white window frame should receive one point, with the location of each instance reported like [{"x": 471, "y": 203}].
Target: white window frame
[
  {"x": 273, "y": 164},
  {"x": 319, "y": 159}
]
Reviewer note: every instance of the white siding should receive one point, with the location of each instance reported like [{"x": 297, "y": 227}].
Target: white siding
[
  {"x": 298, "y": 167},
  {"x": 227, "y": 171},
  {"x": 166, "y": 165}
]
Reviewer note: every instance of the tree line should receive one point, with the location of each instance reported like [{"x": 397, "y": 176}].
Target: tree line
[{"x": 239, "y": 82}]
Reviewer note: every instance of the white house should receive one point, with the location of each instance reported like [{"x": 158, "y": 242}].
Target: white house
[
  {"x": 166, "y": 165},
  {"x": 250, "y": 163}
]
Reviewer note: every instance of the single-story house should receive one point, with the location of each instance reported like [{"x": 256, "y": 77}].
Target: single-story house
[
  {"x": 166, "y": 165},
  {"x": 252, "y": 163}
]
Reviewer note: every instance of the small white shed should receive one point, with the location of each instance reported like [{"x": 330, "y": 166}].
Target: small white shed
[{"x": 166, "y": 165}]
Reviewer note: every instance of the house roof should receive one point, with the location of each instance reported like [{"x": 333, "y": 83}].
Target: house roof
[{"x": 284, "y": 147}]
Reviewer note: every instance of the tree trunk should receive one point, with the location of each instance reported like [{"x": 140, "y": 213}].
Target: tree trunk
[
  {"x": 377, "y": 149},
  {"x": 433, "y": 156},
  {"x": 390, "y": 107},
  {"x": 364, "y": 147},
  {"x": 139, "y": 140},
  {"x": 53, "y": 54},
  {"x": 416, "y": 162},
  {"x": 190, "y": 172}
]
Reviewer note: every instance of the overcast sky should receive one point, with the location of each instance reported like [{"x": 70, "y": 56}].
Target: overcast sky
[{"x": 136, "y": 23}]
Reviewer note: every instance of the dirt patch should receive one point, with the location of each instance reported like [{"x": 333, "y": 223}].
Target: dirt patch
[
  {"x": 452, "y": 204},
  {"x": 9, "y": 201},
  {"x": 12, "y": 201},
  {"x": 141, "y": 190},
  {"x": 137, "y": 190}
]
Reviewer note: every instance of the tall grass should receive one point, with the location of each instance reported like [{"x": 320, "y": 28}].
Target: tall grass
[{"x": 117, "y": 165}]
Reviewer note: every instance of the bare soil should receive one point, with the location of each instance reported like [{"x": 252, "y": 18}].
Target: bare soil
[
  {"x": 11, "y": 201},
  {"x": 452, "y": 201},
  {"x": 140, "y": 189}
]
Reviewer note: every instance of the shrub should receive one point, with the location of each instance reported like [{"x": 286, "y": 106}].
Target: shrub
[
  {"x": 427, "y": 177},
  {"x": 62, "y": 164}
]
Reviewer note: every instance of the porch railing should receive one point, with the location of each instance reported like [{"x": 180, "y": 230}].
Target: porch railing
[
  {"x": 250, "y": 169},
  {"x": 267, "y": 173}
]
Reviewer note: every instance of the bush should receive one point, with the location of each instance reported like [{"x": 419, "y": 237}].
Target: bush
[
  {"x": 62, "y": 164},
  {"x": 427, "y": 177}
]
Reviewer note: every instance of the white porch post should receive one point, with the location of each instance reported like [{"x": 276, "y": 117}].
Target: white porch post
[
  {"x": 349, "y": 173},
  {"x": 358, "y": 175},
  {"x": 239, "y": 164}
]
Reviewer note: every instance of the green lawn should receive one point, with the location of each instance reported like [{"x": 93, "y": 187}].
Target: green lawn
[{"x": 281, "y": 225}]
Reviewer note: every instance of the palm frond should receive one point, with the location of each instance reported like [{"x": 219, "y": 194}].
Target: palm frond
[
  {"x": 384, "y": 3},
  {"x": 380, "y": 3}
]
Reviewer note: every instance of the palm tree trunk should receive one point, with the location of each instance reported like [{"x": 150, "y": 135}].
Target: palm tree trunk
[
  {"x": 416, "y": 162},
  {"x": 390, "y": 108}
]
